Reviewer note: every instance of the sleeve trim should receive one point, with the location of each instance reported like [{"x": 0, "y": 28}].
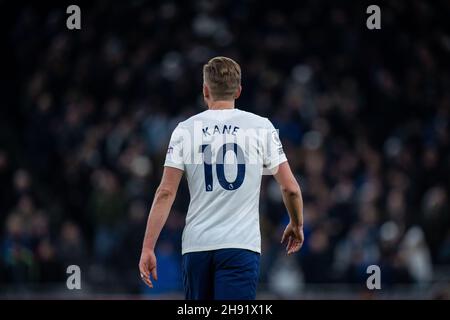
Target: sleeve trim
[
  {"x": 281, "y": 160},
  {"x": 174, "y": 165}
]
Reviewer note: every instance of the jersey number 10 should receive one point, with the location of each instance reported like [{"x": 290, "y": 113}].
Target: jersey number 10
[{"x": 207, "y": 165}]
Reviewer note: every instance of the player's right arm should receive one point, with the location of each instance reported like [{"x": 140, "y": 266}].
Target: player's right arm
[
  {"x": 276, "y": 162},
  {"x": 292, "y": 198}
]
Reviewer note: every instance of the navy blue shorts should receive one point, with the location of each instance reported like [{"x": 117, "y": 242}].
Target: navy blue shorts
[{"x": 225, "y": 274}]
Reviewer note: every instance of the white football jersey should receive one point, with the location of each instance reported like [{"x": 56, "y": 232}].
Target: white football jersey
[{"x": 224, "y": 154}]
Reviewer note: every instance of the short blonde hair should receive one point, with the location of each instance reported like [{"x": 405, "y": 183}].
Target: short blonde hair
[{"x": 222, "y": 75}]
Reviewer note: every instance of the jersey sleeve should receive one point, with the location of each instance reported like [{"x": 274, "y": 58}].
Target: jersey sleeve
[
  {"x": 274, "y": 154},
  {"x": 174, "y": 156}
]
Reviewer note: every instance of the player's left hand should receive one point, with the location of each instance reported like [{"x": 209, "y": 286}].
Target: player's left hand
[
  {"x": 294, "y": 235},
  {"x": 147, "y": 266}
]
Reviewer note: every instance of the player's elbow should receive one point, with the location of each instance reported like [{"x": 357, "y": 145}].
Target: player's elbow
[
  {"x": 291, "y": 190},
  {"x": 163, "y": 193}
]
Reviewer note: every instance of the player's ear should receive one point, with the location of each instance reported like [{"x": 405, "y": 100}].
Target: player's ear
[
  {"x": 205, "y": 91},
  {"x": 238, "y": 92}
]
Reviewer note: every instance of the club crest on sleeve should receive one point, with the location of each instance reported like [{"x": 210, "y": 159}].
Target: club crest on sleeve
[{"x": 275, "y": 138}]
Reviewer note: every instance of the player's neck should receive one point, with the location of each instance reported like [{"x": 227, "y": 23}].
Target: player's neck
[{"x": 221, "y": 105}]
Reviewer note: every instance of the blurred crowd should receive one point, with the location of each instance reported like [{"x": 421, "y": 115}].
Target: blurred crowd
[{"x": 363, "y": 116}]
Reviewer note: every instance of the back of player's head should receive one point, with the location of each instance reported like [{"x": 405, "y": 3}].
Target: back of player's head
[{"x": 222, "y": 75}]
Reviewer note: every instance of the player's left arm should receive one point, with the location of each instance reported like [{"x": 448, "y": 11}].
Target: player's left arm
[{"x": 162, "y": 203}]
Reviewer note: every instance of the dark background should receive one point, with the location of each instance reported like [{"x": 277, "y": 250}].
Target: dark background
[{"x": 363, "y": 114}]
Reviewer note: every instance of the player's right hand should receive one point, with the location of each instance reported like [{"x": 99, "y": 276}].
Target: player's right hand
[
  {"x": 294, "y": 235},
  {"x": 147, "y": 266}
]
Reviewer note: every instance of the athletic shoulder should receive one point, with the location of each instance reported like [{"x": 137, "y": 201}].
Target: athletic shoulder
[
  {"x": 256, "y": 120},
  {"x": 190, "y": 121}
]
